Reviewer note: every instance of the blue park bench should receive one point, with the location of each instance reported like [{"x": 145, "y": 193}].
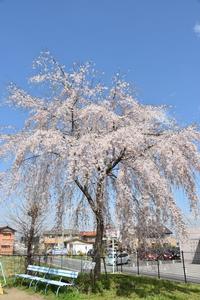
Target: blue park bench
[{"x": 33, "y": 273}]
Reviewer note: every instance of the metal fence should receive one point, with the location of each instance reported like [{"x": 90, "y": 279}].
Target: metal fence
[
  {"x": 13, "y": 264},
  {"x": 184, "y": 268}
]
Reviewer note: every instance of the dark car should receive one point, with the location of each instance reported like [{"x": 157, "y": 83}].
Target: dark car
[
  {"x": 176, "y": 256},
  {"x": 90, "y": 253},
  {"x": 166, "y": 256},
  {"x": 151, "y": 256}
]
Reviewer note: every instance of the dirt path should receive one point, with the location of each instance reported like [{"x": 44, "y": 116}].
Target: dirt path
[{"x": 15, "y": 294}]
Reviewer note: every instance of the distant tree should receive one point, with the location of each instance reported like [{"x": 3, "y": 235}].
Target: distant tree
[
  {"x": 30, "y": 213},
  {"x": 102, "y": 143}
]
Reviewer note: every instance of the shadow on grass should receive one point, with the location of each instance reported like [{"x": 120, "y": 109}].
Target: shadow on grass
[
  {"x": 145, "y": 286},
  {"x": 124, "y": 286}
]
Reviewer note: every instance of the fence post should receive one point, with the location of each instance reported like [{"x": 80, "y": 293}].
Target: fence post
[
  {"x": 62, "y": 262},
  {"x": 51, "y": 260},
  {"x": 138, "y": 265},
  {"x": 184, "y": 271},
  {"x": 158, "y": 268},
  {"x": 121, "y": 262},
  {"x": 81, "y": 264}
]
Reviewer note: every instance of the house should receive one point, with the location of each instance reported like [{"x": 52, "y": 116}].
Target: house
[
  {"x": 73, "y": 240},
  {"x": 88, "y": 236},
  {"x": 7, "y": 240},
  {"x": 190, "y": 245},
  {"x": 55, "y": 238},
  {"x": 78, "y": 246}
]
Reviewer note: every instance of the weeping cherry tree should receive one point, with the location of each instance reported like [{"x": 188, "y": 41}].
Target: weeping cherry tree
[{"x": 104, "y": 147}]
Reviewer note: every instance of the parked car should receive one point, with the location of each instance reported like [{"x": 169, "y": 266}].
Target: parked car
[
  {"x": 123, "y": 258},
  {"x": 170, "y": 255},
  {"x": 117, "y": 259},
  {"x": 160, "y": 253},
  {"x": 166, "y": 256},
  {"x": 57, "y": 251},
  {"x": 176, "y": 256},
  {"x": 90, "y": 253},
  {"x": 151, "y": 256}
]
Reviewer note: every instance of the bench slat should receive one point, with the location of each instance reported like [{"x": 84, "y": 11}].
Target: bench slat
[
  {"x": 63, "y": 273},
  {"x": 27, "y": 276},
  {"x": 37, "y": 269},
  {"x": 55, "y": 282}
]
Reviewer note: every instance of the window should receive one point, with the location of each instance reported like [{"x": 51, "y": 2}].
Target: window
[
  {"x": 6, "y": 235},
  {"x": 5, "y": 246}
]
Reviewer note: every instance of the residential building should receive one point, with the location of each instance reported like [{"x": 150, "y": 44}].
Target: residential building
[
  {"x": 73, "y": 240},
  {"x": 82, "y": 241},
  {"x": 78, "y": 246},
  {"x": 190, "y": 245},
  {"x": 88, "y": 236},
  {"x": 55, "y": 238},
  {"x": 7, "y": 240}
]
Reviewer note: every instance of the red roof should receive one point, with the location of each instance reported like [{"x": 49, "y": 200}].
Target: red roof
[{"x": 88, "y": 233}]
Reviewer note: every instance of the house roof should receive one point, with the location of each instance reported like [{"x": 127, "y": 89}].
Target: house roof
[
  {"x": 72, "y": 232},
  {"x": 79, "y": 241},
  {"x": 60, "y": 232},
  {"x": 7, "y": 227},
  {"x": 88, "y": 233}
]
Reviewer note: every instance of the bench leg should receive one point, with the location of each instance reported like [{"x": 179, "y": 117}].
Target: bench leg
[
  {"x": 36, "y": 285},
  {"x": 46, "y": 288},
  {"x": 22, "y": 281},
  {"x": 58, "y": 290},
  {"x": 31, "y": 283}
]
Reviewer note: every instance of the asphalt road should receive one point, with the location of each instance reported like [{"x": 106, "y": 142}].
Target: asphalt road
[{"x": 166, "y": 270}]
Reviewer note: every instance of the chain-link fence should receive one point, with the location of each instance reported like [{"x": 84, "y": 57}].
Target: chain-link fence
[
  {"x": 13, "y": 264},
  {"x": 184, "y": 266}
]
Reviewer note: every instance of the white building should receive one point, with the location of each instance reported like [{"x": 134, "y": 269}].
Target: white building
[
  {"x": 190, "y": 245},
  {"x": 77, "y": 246}
]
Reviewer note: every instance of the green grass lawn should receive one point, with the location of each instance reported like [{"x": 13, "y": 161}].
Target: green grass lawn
[{"x": 121, "y": 287}]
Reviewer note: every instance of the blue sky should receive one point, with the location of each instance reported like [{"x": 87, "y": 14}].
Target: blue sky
[{"x": 157, "y": 43}]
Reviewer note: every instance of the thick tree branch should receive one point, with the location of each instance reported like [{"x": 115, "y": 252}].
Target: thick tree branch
[
  {"x": 84, "y": 190},
  {"x": 112, "y": 165}
]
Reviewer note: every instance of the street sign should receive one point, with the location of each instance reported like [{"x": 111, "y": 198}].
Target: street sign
[{"x": 88, "y": 265}]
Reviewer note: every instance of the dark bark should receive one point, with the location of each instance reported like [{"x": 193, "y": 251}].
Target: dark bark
[
  {"x": 98, "y": 247},
  {"x": 98, "y": 208},
  {"x": 33, "y": 214},
  {"x": 30, "y": 241}
]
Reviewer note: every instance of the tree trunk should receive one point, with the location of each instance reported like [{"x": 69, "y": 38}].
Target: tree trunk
[
  {"x": 98, "y": 247},
  {"x": 30, "y": 241},
  {"x": 97, "y": 209}
]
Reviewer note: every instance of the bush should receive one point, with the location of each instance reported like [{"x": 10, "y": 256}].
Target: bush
[{"x": 86, "y": 283}]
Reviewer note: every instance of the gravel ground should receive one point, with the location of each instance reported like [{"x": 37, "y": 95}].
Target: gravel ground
[{"x": 15, "y": 294}]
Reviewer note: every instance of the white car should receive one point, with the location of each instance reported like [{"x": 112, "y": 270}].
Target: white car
[
  {"x": 117, "y": 259},
  {"x": 57, "y": 251}
]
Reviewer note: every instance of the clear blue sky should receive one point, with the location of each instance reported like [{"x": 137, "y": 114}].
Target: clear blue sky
[{"x": 157, "y": 43}]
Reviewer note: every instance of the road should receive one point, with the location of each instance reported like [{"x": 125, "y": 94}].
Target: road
[{"x": 165, "y": 270}]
